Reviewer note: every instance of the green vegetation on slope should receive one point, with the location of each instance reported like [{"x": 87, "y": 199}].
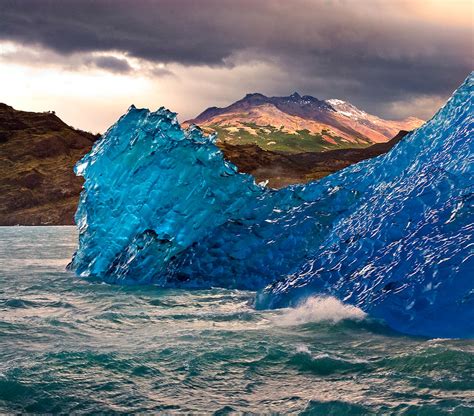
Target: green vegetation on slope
[{"x": 271, "y": 138}]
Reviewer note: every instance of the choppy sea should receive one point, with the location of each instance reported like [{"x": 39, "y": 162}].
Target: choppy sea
[{"x": 74, "y": 346}]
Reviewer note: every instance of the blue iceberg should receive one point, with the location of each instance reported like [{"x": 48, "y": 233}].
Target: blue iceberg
[{"x": 392, "y": 235}]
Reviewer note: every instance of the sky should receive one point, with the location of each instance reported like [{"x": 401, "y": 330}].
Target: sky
[{"x": 89, "y": 60}]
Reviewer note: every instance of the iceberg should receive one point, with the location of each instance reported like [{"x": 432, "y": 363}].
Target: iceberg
[{"x": 391, "y": 235}]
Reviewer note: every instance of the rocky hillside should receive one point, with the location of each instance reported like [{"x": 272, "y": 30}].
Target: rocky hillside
[
  {"x": 37, "y": 155},
  {"x": 282, "y": 169},
  {"x": 296, "y": 124}
]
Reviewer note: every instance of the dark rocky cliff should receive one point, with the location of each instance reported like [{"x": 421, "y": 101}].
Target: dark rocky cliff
[{"x": 37, "y": 155}]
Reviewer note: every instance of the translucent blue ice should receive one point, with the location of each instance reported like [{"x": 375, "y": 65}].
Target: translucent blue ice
[{"x": 392, "y": 235}]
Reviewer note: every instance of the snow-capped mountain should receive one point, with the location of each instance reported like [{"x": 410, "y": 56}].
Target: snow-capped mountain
[{"x": 298, "y": 123}]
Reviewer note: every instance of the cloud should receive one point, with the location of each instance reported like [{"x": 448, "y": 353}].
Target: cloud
[
  {"x": 372, "y": 52},
  {"x": 110, "y": 63},
  {"x": 424, "y": 106},
  {"x": 114, "y": 61}
]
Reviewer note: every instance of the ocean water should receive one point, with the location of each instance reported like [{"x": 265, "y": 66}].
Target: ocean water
[{"x": 69, "y": 345}]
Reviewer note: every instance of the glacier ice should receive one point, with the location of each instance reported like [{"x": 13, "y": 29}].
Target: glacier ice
[{"x": 392, "y": 235}]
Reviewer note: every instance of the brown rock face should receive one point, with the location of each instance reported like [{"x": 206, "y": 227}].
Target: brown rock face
[{"x": 37, "y": 155}]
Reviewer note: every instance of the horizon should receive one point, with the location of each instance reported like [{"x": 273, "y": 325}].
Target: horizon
[{"x": 393, "y": 60}]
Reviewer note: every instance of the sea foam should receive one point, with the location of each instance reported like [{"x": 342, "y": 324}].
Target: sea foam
[{"x": 319, "y": 309}]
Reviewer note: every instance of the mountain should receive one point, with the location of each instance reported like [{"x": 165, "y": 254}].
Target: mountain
[
  {"x": 296, "y": 124},
  {"x": 37, "y": 155}
]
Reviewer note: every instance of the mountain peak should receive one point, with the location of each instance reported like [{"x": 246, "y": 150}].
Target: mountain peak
[
  {"x": 336, "y": 101},
  {"x": 347, "y": 109},
  {"x": 332, "y": 123},
  {"x": 254, "y": 95}
]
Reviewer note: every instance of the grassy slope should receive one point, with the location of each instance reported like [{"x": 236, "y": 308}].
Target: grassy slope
[{"x": 274, "y": 139}]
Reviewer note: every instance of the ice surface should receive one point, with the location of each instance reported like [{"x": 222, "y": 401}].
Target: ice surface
[{"x": 391, "y": 235}]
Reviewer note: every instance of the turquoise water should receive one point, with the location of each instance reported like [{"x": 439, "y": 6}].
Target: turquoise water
[{"x": 68, "y": 345}]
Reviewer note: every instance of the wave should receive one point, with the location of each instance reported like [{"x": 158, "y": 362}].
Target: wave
[{"x": 319, "y": 309}]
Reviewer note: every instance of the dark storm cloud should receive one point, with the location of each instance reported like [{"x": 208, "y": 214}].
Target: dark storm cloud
[
  {"x": 370, "y": 51},
  {"x": 110, "y": 63}
]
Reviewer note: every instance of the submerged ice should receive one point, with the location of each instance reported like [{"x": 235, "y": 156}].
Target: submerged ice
[{"x": 392, "y": 235}]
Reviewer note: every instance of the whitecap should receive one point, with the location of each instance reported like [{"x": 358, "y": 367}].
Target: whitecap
[{"x": 319, "y": 309}]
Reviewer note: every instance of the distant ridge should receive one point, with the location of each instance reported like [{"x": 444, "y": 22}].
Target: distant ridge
[{"x": 295, "y": 123}]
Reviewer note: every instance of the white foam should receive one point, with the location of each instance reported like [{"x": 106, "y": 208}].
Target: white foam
[
  {"x": 320, "y": 309},
  {"x": 302, "y": 349}
]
